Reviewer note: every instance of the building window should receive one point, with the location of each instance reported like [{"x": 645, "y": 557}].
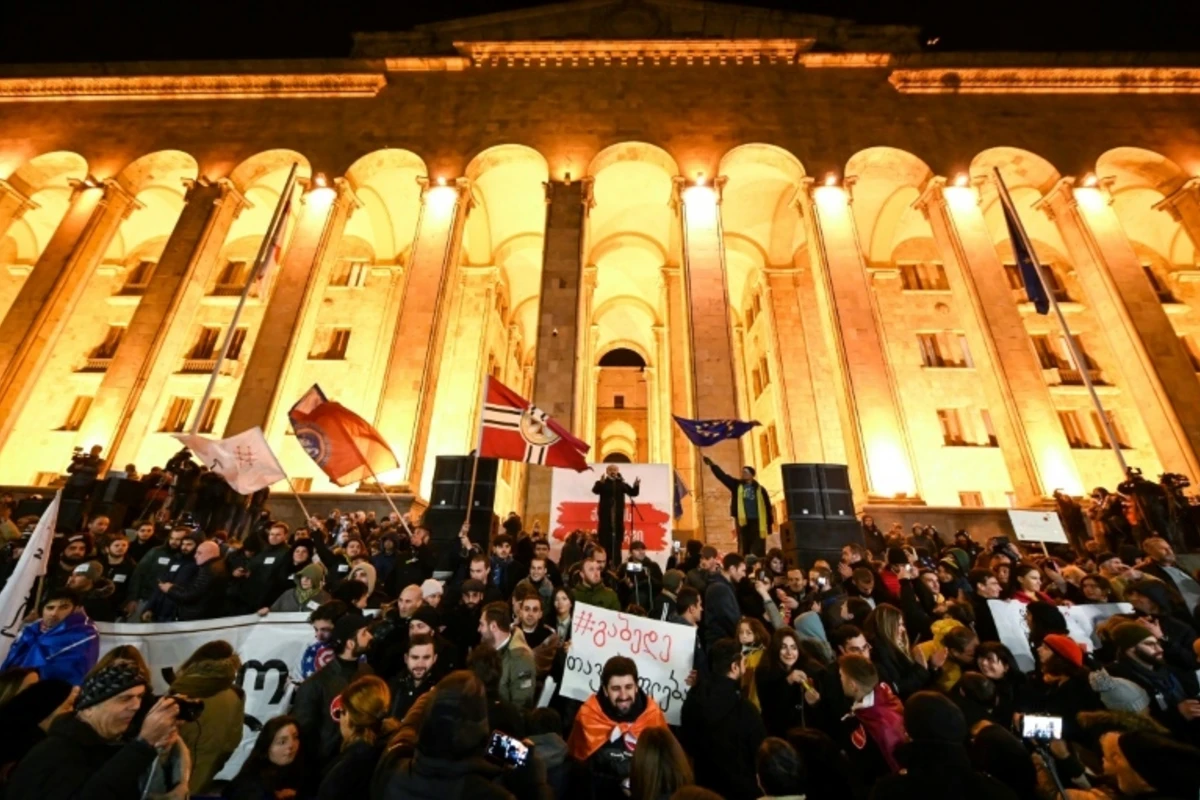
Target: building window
[
  {"x": 990, "y": 432},
  {"x": 1073, "y": 428},
  {"x": 944, "y": 349},
  {"x": 1069, "y": 374},
  {"x": 764, "y": 371},
  {"x": 749, "y": 316},
  {"x": 1015, "y": 282},
  {"x": 1189, "y": 345},
  {"x": 137, "y": 279},
  {"x": 1118, "y": 429},
  {"x": 208, "y": 416},
  {"x": 758, "y": 382},
  {"x": 618, "y": 401},
  {"x": 966, "y": 427},
  {"x": 923, "y": 278},
  {"x": 350, "y": 274},
  {"x": 764, "y": 449},
  {"x": 305, "y": 484},
  {"x": 757, "y": 306},
  {"x": 206, "y": 343},
  {"x": 952, "y": 434},
  {"x": 1048, "y": 357},
  {"x": 112, "y": 339},
  {"x": 235, "y": 344},
  {"x": 330, "y": 344},
  {"x": 176, "y": 418},
  {"x": 1159, "y": 286},
  {"x": 773, "y": 440},
  {"x": 79, "y": 410},
  {"x": 232, "y": 278},
  {"x": 970, "y": 499}
]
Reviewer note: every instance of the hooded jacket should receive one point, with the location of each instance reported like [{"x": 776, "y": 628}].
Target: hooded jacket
[
  {"x": 67, "y": 651},
  {"x": 216, "y": 734},
  {"x": 721, "y": 731},
  {"x": 294, "y": 599}
]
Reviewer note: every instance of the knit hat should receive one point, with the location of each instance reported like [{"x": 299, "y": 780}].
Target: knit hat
[
  {"x": 1065, "y": 647},
  {"x": 431, "y": 587},
  {"x": 472, "y": 585},
  {"x": 1154, "y": 590},
  {"x": 672, "y": 580},
  {"x": 107, "y": 683},
  {"x": 896, "y": 556},
  {"x": 1165, "y": 764},
  {"x": 347, "y": 626},
  {"x": 426, "y": 614},
  {"x": 90, "y": 570},
  {"x": 931, "y": 716},
  {"x": 1129, "y": 634},
  {"x": 1105, "y": 556},
  {"x": 1118, "y": 694}
]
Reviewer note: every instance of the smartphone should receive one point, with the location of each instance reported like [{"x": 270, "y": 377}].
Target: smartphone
[
  {"x": 633, "y": 566},
  {"x": 676, "y": 545},
  {"x": 509, "y": 751},
  {"x": 1041, "y": 728}
]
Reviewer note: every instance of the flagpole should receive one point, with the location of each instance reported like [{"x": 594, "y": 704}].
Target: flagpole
[
  {"x": 1076, "y": 356},
  {"x": 382, "y": 488},
  {"x": 288, "y": 478},
  {"x": 263, "y": 250},
  {"x": 478, "y": 446}
]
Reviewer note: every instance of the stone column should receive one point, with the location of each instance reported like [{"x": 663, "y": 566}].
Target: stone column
[
  {"x": 798, "y": 427},
  {"x": 1183, "y": 205},
  {"x": 263, "y": 393},
  {"x": 685, "y": 457},
  {"x": 150, "y": 350},
  {"x": 713, "y": 366},
  {"x": 561, "y": 314},
  {"x": 13, "y": 204},
  {"x": 870, "y": 409},
  {"x": 744, "y": 402},
  {"x": 653, "y": 450},
  {"x": 452, "y": 425},
  {"x": 44, "y": 304},
  {"x": 1035, "y": 448},
  {"x": 412, "y": 372},
  {"x": 587, "y": 335},
  {"x": 1155, "y": 369},
  {"x": 664, "y": 425}
]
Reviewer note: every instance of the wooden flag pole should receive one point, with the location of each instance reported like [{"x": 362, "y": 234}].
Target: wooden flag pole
[{"x": 487, "y": 381}]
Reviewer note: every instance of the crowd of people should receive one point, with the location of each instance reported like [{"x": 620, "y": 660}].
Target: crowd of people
[{"x": 433, "y": 671}]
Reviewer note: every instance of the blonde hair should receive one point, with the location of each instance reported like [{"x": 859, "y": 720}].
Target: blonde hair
[
  {"x": 882, "y": 627},
  {"x": 366, "y": 703}
]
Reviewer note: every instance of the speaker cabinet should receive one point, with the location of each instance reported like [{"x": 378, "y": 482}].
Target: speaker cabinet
[{"x": 452, "y": 483}]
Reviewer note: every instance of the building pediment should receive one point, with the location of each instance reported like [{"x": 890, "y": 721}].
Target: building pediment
[{"x": 639, "y": 20}]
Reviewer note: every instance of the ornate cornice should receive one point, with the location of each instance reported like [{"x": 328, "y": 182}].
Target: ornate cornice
[
  {"x": 191, "y": 87},
  {"x": 635, "y": 52},
  {"x": 1047, "y": 80}
]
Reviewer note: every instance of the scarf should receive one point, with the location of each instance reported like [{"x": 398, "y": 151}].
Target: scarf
[
  {"x": 593, "y": 728},
  {"x": 316, "y": 575},
  {"x": 762, "y": 509}
]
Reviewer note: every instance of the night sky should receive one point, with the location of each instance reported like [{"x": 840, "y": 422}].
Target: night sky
[{"x": 78, "y": 30}]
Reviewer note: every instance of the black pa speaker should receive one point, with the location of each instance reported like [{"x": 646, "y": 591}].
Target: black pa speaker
[
  {"x": 444, "y": 524},
  {"x": 806, "y": 540},
  {"x": 818, "y": 491},
  {"x": 452, "y": 484}
]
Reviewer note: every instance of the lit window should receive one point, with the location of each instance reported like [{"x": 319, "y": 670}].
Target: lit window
[
  {"x": 773, "y": 440},
  {"x": 176, "y": 418},
  {"x": 208, "y": 417},
  {"x": 137, "y": 279},
  {"x": 235, "y": 344},
  {"x": 350, "y": 274},
  {"x": 952, "y": 433},
  {"x": 79, "y": 410},
  {"x": 1073, "y": 428},
  {"x": 764, "y": 449},
  {"x": 970, "y": 499},
  {"x": 923, "y": 278},
  {"x": 944, "y": 349},
  {"x": 232, "y": 278},
  {"x": 206, "y": 343},
  {"x": 330, "y": 344},
  {"x": 1117, "y": 427}
]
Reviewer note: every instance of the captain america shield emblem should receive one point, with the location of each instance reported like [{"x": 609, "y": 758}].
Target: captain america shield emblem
[{"x": 313, "y": 440}]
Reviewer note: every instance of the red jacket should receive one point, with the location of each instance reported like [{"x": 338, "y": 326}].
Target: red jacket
[{"x": 882, "y": 723}]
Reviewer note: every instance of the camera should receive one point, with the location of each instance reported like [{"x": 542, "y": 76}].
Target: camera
[
  {"x": 189, "y": 709},
  {"x": 676, "y": 545},
  {"x": 633, "y": 566},
  {"x": 508, "y": 750}
]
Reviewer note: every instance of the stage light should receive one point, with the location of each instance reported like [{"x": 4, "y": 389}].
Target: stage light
[
  {"x": 831, "y": 179},
  {"x": 319, "y": 180},
  {"x": 1089, "y": 180},
  {"x": 961, "y": 180},
  {"x": 441, "y": 181}
]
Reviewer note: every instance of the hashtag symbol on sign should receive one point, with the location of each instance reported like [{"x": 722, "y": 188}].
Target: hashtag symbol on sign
[{"x": 584, "y": 624}]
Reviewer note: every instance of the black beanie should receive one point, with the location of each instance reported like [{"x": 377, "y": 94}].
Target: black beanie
[
  {"x": 931, "y": 716},
  {"x": 1165, "y": 764},
  {"x": 896, "y": 556},
  {"x": 104, "y": 684}
]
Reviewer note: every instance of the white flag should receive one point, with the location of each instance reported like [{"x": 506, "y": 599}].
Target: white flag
[
  {"x": 17, "y": 597},
  {"x": 245, "y": 461}
]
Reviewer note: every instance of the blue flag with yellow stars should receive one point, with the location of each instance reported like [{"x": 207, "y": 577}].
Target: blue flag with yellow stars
[{"x": 707, "y": 432}]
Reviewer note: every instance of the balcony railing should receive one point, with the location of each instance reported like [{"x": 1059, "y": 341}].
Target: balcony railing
[
  {"x": 203, "y": 366},
  {"x": 96, "y": 365}
]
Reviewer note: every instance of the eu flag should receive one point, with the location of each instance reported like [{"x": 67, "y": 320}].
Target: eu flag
[
  {"x": 707, "y": 432},
  {"x": 1023, "y": 252},
  {"x": 681, "y": 491}
]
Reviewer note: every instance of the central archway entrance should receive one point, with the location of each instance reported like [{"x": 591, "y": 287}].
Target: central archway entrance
[{"x": 622, "y": 424}]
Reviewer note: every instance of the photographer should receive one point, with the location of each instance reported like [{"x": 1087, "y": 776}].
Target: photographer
[
  {"x": 84, "y": 469},
  {"x": 641, "y": 577}
]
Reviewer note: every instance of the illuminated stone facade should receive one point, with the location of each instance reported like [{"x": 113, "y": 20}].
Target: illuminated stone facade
[{"x": 784, "y": 217}]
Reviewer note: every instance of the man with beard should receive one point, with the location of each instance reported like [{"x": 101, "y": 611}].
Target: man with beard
[
  {"x": 1174, "y": 700},
  {"x": 94, "y": 590},
  {"x": 264, "y": 577},
  {"x": 607, "y": 728},
  {"x": 153, "y": 569},
  {"x": 118, "y": 568},
  {"x": 418, "y": 676},
  {"x": 387, "y": 656},
  {"x": 63, "y": 644},
  {"x": 462, "y": 621},
  {"x": 518, "y": 673},
  {"x": 144, "y": 540},
  {"x": 74, "y": 553},
  {"x": 319, "y": 731},
  {"x": 425, "y": 622},
  {"x": 161, "y": 607}
]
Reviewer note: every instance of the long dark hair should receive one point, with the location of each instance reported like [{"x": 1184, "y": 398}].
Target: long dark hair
[
  {"x": 771, "y": 664},
  {"x": 660, "y": 767},
  {"x": 258, "y": 763}
]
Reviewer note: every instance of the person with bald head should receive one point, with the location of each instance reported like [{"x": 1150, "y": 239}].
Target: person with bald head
[
  {"x": 203, "y": 595},
  {"x": 391, "y": 641}
]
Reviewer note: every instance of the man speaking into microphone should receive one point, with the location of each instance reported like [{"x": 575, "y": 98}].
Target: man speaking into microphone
[{"x": 610, "y": 516}]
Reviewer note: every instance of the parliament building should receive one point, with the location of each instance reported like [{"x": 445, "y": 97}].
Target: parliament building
[{"x": 623, "y": 210}]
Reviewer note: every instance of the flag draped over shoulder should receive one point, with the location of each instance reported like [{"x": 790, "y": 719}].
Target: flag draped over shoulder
[
  {"x": 245, "y": 461},
  {"x": 707, "y": 432},
  {"x": 17, "y": 597},
  {"x": 344, "y": 445},
  {"x": 1022, "y": 251},
  {"x": 512, "y": 428}
]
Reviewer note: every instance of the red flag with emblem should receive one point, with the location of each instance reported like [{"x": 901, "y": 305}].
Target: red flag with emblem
[
  {"x": 343, "y": 444},
  {"x": 512, "y": 428}
]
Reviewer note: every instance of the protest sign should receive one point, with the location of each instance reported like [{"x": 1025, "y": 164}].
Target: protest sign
[
  {"x": 1037, "y": 526},
  {"x": 270, "y": 649},
  {"x": 1012, "y": 625},
  {"x": 647, "y": 517},
  {"x": 662, "y": 651}
]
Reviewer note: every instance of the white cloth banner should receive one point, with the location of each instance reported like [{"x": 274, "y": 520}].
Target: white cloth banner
[
  {"x": 662, "y": 651},
  {"x": 1012, "y": 625},
  {"x": 574, "y": 507},
  {"x": 1037, "y": 526},
  {"x": 245, "y": 461},
  {"x": 270, "y": 648},
  {"x": 17, "y": 597}
]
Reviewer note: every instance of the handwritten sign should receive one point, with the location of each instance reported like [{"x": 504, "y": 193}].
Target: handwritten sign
[
  {"x": 1037, "y": 526},
  {"x": 661, "y": 650}
]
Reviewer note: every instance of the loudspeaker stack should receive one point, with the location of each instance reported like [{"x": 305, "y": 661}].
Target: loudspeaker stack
[{"x": 820, "y": 507}]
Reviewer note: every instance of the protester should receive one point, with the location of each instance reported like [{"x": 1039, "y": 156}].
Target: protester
[
  {"x": 318, "y": 730},
  {"x": 875, "y": 725},
  {"x": 272, "y": 770},
  {"x": 519, "y": 671},
  {"x": 62, "y": 645},
  {"x": 210, "y": 675},
  {"x": 782, "y": 685},
  {"x": 361, "y": 712},
  {"x": 722, "y": 611},
  {"x": 660, "y": 767}
]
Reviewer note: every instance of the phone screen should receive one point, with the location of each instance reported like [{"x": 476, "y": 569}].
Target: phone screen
[
  {"x": 1042, "y": 728},
  {"x": 508, "y": 750}
]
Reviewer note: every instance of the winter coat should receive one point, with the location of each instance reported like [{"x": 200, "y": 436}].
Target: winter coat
[
  {"x": 766, "y": 518},
  {"x": 183, "y": 571},
  {"x": 721, "y": 731},
  {"x": 904, "y": 675},
  {"x": 67, "y": 651},
  {"x": 202, "y": 597},
  {"x": 420, "y": 777},
  {"x": 552, "y": 750},
  {"x": 518, "y": 671},
  {"x": 871, "y": 732},
  {"x": 320, "y": 734},
  {"x": 268, "y": 577},
  {"x": 721, "y": 610},
  {"x": 74, "y": 763},
  {"x": 782, "y": 703},
  {"x": 938, "y": 771},
  {"x": 598, "y": 595},
  {"x": 216, "y": 734},
  {"x": 351, "y": 773},
  {"x": 120, "y": 575},
  {"x": 150, "y": 570}
]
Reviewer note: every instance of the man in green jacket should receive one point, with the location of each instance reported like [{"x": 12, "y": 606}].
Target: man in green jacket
[
  {"x": 591, "y": 588},
  {"x": 518, "y": 671}
]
